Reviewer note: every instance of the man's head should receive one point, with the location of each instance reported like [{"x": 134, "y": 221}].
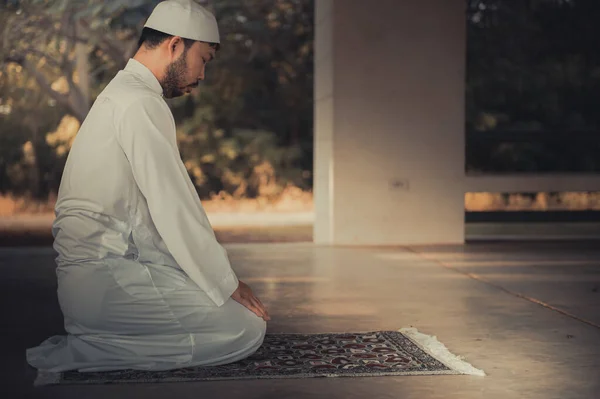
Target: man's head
[{"x": 178, "y": 40}]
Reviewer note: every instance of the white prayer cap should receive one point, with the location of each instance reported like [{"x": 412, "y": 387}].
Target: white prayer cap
[{"x": 184, "y": 18}]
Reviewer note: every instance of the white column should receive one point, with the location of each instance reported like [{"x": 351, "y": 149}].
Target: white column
[
  {"x": 389, "y": 121},
  {"x": 323, "y": 121}
]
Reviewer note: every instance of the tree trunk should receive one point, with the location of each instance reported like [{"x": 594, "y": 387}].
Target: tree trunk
[
  {"x": 72, "y": 101},
  {"x": 82, "y": 69}
]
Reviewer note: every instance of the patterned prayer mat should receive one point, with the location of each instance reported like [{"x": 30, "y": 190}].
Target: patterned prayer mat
[{"x": 381, "y": 353}]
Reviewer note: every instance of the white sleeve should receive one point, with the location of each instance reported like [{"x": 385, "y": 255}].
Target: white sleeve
[{"x": 146, "y": 134}]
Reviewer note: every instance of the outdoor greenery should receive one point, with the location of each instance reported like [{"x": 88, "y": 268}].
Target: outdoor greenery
[
  {"x": 533, "y": 85},
  {"x": 247, "y": 132},
  {"x": 533, "y": 66}
]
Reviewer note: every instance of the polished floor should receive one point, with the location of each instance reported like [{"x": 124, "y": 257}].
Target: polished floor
[{"x": 528, "y": 314}]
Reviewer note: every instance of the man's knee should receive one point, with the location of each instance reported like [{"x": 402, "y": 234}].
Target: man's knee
[
  {"x": 251, "y": 328},
  {"x": 256, "y": 328}
]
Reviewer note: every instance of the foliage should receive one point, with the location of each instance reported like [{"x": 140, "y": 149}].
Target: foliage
[
  {"x": 246, "y": 163},
  {"x": 55, "y": 42},
  {"x": 258, "y": 92},
  {"x": 27, "y": 164},
  {"x": 251, "y": 133},
  {"x": 533, "y": 66}
]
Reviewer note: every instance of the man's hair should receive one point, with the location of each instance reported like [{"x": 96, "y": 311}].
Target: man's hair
[{"x": 151, "y": 38}]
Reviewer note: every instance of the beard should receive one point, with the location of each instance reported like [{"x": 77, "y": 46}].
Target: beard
[{"x": 174, "y": 79}]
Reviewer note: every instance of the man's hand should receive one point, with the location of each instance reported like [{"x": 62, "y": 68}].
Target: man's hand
[{"x": 244, "y": 295}]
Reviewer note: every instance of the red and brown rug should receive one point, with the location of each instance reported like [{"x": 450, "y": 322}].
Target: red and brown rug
[{"x": 380, "y": 353}]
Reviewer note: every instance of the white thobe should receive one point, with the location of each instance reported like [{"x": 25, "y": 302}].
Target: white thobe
[{"x": 142, "y": 281}]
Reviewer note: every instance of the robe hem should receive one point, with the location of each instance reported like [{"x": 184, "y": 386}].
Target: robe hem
[{"x": 46, "y": 378}]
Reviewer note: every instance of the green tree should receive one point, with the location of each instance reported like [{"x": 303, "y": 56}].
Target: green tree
[
  {"x": 56, "y": 41},
  {"x": 533, "y": 66},
  {"x": 258, "y": 90},
  {"x": 255, "y": 108}
]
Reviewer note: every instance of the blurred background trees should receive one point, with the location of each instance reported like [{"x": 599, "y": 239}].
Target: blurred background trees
[
  {"x": 532, "y": 89},
  {"x": 533, "y": 86},
  {"x": 247, "y": 132}
]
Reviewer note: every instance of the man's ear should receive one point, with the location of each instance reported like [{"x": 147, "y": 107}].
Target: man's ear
[{"x": 175, "y": 47}]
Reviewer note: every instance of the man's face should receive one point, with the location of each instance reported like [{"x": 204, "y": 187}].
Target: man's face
[{"x": 184, "y": 74}]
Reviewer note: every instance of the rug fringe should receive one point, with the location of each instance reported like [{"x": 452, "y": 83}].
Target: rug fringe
[
  {"x": 435, "y": 348},
  {"x": 46, "y": 378}
]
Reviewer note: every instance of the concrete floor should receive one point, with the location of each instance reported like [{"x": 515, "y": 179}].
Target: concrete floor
[{"x": 498, "y": 305}]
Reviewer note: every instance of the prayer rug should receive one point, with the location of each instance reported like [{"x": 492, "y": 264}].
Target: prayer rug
[{"x": 380, "y": 353}]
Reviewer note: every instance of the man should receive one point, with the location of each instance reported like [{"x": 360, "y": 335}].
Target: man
[{"x": 142, "y": 281}]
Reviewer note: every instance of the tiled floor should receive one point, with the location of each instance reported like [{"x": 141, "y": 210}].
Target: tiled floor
[{"x": 527, "y": 314}]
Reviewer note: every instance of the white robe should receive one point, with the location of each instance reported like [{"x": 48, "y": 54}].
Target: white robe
[{"x": 142, "y": 281}]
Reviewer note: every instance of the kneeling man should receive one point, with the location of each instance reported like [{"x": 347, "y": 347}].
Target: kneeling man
[{"x": 142, "y": 281}]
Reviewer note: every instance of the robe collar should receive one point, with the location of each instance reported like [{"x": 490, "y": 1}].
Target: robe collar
[{"x": 136, "y": 67}]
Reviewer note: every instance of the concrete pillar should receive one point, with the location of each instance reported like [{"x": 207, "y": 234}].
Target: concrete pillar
[{"x": 389, "y": 122}]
